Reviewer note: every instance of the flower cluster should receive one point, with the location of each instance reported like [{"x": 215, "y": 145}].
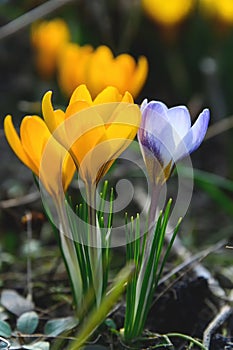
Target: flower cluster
[
  {"x": 94, "y": 132},
  {"x": 90, "y": 135},
  {"x": 99, "y": 69},
  {"x": 75, "y": 64}
]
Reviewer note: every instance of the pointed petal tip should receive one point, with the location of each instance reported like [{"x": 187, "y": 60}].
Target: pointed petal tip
[
  {"x": 7, "y": 123},
  {"x": 47, "y": 94},
  {"x": 127, "y": 97},
  {"x": 46, "y": 100},
  {"x": 206, "y": 113},
  {"x": 143, "y": 104},
  {"x": 7, "y": 118},
  {"x": 198, "y": 131},
  {"x": 157, "y": 106},
  {"x": 204, "y": 116}
]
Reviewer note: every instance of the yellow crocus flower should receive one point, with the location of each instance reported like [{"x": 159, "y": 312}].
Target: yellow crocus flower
[
  {"x": 95, "y": 131},
  {"x": 99, "y": 69},
  {"x": 169, "y": 12},
  {"x": 48, "y": 39},
  {"x": 30, "y": 146},
  {"x": 122, "y": 72}
]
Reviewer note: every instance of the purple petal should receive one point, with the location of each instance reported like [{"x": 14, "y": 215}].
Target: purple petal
[
  {"x": 195, "y": 136},
  {"x": 156, "y": 133},
  {"x": 153, "y": 147},
  {"x": 144, "y": 104},
  {"x": 153, "y": 116},
  {"x": 179, "y": 118}
]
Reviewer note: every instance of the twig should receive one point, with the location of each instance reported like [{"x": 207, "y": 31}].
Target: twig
[
  {"x": 31, "y": 16},
  {"x": 188, "y": 338},
  {"x": 225, "y": 312},
  {"x": 14, "y": 202},
  {"x": 219, "y": 127},
  {"x": 199, "y": 270},
  {"x": 194, "y": 259}
]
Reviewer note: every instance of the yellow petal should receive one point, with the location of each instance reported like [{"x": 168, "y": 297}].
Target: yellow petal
[
  {"x": 126, "y": 62},
  {"x": 124, "y": 128},
  {"x": 84, "y": 129},
  {"x": 127, "y": 98},
  {"x": 56, "y": 168},
  {"x": 51, "y": 118},
  {"x": 48, "y": 39},
  {"x": 48, "y": 155},
  {"x": 54, "y": 119},
  {"x": 81, "y": 93},
  {"x": 68, "y": 169},
  {"x": 119, "y": 134},
  {"x": 16, "y": 145},
  {"x": 99, "y": 62},
  {"x": 168, "y": 13},
  {"x": 121, "y": 72},
  {"x": 34, "y": 136},
  {"x": 110, "y": 112},
  {"x": 75, "y": 107},
  {"x": 109, "y": 94},
  {"x": 72, "y": 66}
]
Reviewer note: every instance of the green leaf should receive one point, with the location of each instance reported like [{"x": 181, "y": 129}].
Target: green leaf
[
  {"x": 40, "y": 345},
  {"x": 107, "y": 303},
  {"x": 5, "y": 329},
  {"x": 27, "y": 322},
  {"x": 59, "y": 325},
  {"x": 15, "y": 303},
  {"x": 110, "y": 323}
]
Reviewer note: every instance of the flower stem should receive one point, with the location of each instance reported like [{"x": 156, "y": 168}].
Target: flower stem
[
  {"x": 156, "y": 189},
  {"x": 91, "y": 205},
  {"x": 94, "y": 243},
  {"x": 69, "y": 254}
]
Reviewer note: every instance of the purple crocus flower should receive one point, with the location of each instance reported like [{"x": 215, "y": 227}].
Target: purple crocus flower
[{"x": 166, "y": 136}]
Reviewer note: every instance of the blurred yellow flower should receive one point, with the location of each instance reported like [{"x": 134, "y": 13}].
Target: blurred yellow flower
[
  {"x": 48, "y": 39},
  {"x": 72, "y": 66},
  {"x": 95, "y": 131},
  {"x": 223, "y": 10},
  {"x": 169, "y": 12},
  {"x": 30, "y": 146},
  {"x": 99, "y": 69}
]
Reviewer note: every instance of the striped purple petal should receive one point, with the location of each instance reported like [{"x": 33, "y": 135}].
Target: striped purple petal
[{"x": 155, "y": 133}]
